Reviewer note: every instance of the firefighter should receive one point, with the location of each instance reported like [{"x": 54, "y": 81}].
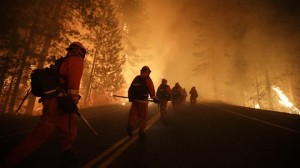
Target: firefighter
[
  {"x": 184, "y": 95},
  {"x": 194, "y": 94},
  {"x": 140, "y": 89},
  {"x": 163, "y": 94},
  {"x": 52, "y": 115},
  {"x": 176, "y": 96}
]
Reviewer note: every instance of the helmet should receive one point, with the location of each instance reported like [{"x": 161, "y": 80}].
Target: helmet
[
  {"x": 146, "y": 68},
  {"x": 77, "y": 45},
  {"x": 164, "y": 81}
]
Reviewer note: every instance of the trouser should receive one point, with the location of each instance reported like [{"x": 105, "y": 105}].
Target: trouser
[
  {"x": 176, "y": 103},
  {"x": 51, "y": 119},
  {"x": 193, "y": 100},
  {"x": 163, "y": 106},
  {"x": 138, "y": 115}
]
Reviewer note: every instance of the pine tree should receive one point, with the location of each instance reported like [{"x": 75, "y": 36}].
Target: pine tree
[{"x": 106, "y": 74}]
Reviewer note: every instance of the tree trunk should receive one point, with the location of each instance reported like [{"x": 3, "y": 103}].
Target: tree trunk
[
  {"x": 214, "y": 76},
  {"x": 257, "y": 88},
  {"x": 269, "y": 90},
  {"x": 23, "y": 62},
  {"x": 88, "y": 90},
  {"x": 41, "y": 61},
  {"x": 19, "y": 75}
]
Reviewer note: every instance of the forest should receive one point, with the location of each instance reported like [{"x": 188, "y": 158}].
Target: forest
[
  {"x": 239, "y": 52},
  {"x": 36, "y": 32}
]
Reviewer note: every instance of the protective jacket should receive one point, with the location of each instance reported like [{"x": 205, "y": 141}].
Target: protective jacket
[
  {"x": 139, "y": 110},
  {"x": 163, "y": 92},
  {"x": 52, "y": 117},
  {"x": 71, "y": 70},
  {"x": 141, "y": 88}
]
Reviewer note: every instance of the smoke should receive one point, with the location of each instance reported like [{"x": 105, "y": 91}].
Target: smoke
[{"x": 218, "y": 46}]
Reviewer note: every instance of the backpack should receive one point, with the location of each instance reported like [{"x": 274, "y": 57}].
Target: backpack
[
  {"x": 45, "y": 81},
  {"x": 138, "y": 88},
  {"x": 162, "y": 91}
]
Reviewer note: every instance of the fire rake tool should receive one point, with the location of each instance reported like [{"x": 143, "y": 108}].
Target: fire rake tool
[
  {"x": 87, "y": 123},
  {"x": 141, "y": 101}
]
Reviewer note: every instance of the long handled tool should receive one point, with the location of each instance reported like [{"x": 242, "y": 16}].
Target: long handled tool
[
  {"x": 141, "y": 101},
  {"x": 87, "y": 123},
  {"x": 27, "y": 94}
]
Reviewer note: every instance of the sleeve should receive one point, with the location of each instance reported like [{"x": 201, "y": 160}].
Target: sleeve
[
  {"x": 74, "y": 69},
  {"x": 150, "y": 86}
]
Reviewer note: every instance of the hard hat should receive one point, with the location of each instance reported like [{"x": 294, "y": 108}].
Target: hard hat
[
  {"x": 77, "y": 45},
  {"x": 146, "y": 68}
]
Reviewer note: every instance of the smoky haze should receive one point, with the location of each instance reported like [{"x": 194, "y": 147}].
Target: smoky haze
[{"x": 218, "y": 46}]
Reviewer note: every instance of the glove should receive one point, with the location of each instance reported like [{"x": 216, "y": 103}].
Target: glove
[
  {"x": 67, "y": 104},
  {"x": 155, "y": 100},
  {"x": 76, "y": 97},
  {"x": 130, "y": 99}
]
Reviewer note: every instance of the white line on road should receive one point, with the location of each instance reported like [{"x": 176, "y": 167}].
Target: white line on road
[
  {"x": 262, "y": 121},
  {"x": 120, "y": 147}
]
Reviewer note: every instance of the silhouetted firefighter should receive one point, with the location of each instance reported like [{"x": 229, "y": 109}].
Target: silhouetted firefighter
[
  {"x": 163, "y": 94},
  {"x": 140, "y": 89},
  {"x": 177, "y": 95},
  {"x": 194, "y": 94},
  {"x": 59, "y": 92}
]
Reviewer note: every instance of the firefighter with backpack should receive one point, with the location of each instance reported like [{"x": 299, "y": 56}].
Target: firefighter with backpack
[
  {"x": 54, "y": 116},
  {"x": 163, "y": 94},
  {"x": 140, "y": 89},
  {"x": 177, "y": 95}
]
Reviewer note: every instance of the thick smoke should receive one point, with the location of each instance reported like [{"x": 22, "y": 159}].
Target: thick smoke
[{"x": 218, "y": 46}]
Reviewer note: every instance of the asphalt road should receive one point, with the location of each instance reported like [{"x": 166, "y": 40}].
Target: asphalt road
[{"x": 210, "y": 135}]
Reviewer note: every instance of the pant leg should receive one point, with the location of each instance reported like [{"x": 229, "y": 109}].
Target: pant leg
[
  {"x": 163, "y": 106},
  {"x": 35, "y": 139},
  {"x": 67, "y": 128},
  {"x": 143, "y": 116},
  {"x": 133, "y": 114}
]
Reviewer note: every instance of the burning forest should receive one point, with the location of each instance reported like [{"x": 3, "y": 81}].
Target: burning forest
[{"x": 239, "y": 52}]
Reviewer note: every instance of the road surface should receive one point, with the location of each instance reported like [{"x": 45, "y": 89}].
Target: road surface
[{"x": 209, "y": 135}]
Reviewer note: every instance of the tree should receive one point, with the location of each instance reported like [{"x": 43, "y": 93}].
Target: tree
[{"x": 106, "y": 75}]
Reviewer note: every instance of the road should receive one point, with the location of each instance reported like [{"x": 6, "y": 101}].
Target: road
[{"x": 209, "y": 135}]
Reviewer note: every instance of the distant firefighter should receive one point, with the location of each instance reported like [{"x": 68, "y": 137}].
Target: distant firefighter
[
  {"x": 176, "y": 96},
  {"x": 184, "y": 95},
  {"x": 194, "y": 94},
  {"x": 140, "y": 89},
  {"x": 163, "y": 94}
]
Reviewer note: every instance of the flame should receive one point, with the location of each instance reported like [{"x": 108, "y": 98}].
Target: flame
[
  {"x": 257, "y": 106},
  {"x": 284, "y": 100}
]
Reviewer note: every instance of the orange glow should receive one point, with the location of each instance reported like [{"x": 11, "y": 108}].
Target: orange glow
[
  {"x": 284, "y": 100},
  {"x": 257, "y": 106}
]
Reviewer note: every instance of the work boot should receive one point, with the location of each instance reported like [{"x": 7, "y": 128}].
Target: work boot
[
  {"x": 68, "y": 157},
  {"x": 129, "y": 131}
]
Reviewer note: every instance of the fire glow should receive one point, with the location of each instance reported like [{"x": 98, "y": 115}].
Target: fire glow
[{"x": 284, "y": 100}]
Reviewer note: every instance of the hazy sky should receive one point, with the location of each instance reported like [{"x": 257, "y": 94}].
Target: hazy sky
[{"x": 226, "y": 35}]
